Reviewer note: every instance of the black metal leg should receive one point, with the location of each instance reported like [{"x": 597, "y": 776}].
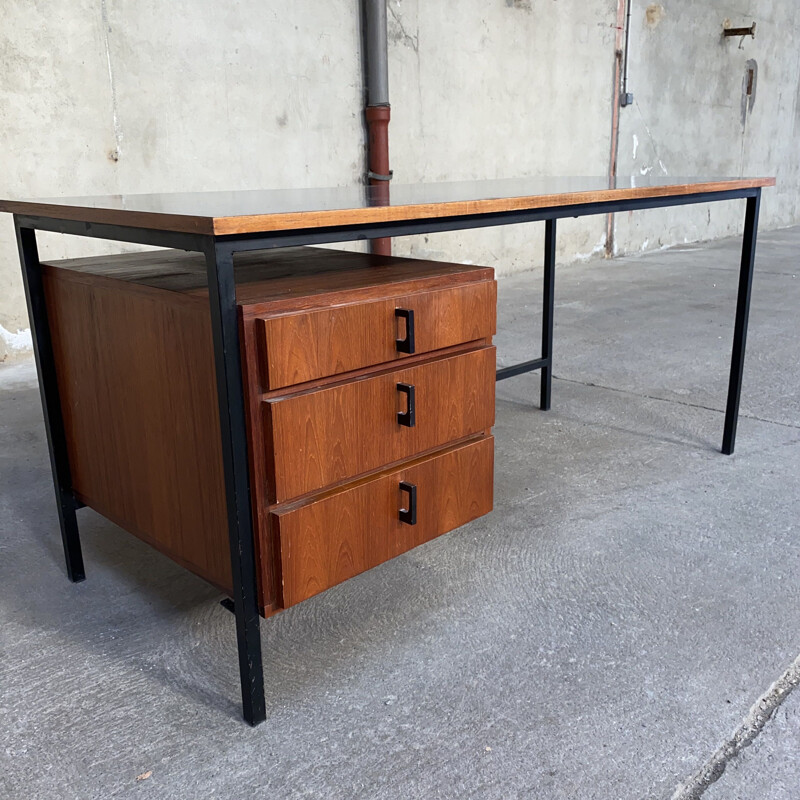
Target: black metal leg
[
  {"x": 545, "y": 363},
  {"x": 51, "y": 404},
  {"x": 230, "y": 392},
  {"x": 547, "y": 312},
  {"x": 742, "y": 316}
]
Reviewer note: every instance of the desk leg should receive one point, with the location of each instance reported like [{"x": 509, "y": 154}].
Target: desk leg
[
  {"x": 545, "y": 363},
  {"x": 51, "y": 404},
  {"x": 547, "y": 313},
  {"x": 742, "y": 316},
  {"x": 230, "y": 393}
]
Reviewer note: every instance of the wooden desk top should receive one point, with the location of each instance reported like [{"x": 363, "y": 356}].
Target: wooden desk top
[{"x": 225, "y": 213}]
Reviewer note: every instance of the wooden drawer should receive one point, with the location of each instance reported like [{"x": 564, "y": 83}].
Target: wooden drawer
[
  {"x": 334, "y": 537},
  {"x": 327, "y": 436},
  {"x": 314, "y": 344}
]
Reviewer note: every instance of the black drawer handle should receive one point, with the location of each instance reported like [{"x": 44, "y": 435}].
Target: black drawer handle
[
  {"x": 409, "y": 514},
  {"x": 406, "y": 345},
  {"x": 409, "y": 417}
]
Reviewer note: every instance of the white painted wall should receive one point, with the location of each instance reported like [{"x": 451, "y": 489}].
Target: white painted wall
[{"x": 106, "y": 96}]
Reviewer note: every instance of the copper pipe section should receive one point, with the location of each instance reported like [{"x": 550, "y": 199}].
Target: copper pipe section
[
  {"x": 378, "y": 137},
  {"x": 615, "y": 96}
]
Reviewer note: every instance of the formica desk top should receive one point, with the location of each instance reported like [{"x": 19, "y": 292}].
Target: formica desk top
[{"x": 261, "y": 211}]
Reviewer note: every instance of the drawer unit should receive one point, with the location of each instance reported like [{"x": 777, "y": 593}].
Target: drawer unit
[
  {"x": 323, "y": 437},
  {"x": 333, "y": 537},
  {"x": 369, "y": 390},
  {"x": 308, "y": 345}
]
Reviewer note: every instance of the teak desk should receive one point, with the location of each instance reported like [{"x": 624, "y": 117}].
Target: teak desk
[{"x": 219, "y": 224}]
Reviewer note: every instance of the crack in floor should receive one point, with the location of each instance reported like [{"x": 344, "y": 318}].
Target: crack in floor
[
  {"x": 767, "y": 705},
  {"x": 760, "y": 713}
]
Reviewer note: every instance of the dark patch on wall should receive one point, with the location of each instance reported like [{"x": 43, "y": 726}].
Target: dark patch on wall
[
  {"x": 523, "y": 5},
  {"x": 796, "y": 128},
  {"x": 749, "y": 89},
  {"x": 653, "y": 15}
]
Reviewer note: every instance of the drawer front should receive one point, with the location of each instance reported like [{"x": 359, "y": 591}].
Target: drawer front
[
  {"x": 316, "y": 344},
  {"x": 334, "y": 538},
  {"x": 330, "y": 435}
]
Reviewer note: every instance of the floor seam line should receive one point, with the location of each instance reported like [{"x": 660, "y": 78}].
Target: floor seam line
[
  {"x": 758, "y": 272},
  {"x": 674, "y": 402},
  {"x": 754, "y": 722}
]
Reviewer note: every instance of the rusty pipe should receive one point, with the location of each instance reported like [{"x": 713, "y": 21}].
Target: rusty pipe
[
  {"x": 615, "y": 104},
  {"x": 379, "y": 173}
]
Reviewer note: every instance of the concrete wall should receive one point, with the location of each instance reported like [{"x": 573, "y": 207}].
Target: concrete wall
[
  {"x": 689, "y": 117},
  {"x": 106, "y": 96}
]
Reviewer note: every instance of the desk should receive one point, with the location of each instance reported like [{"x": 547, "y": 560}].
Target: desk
[{"x": 219, "y": 224}]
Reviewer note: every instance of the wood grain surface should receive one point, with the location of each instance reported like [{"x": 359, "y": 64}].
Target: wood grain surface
[
  {"x": 305, "y": 346},
  {"x": 136, "y": 379},
  {"x": 286, "y": 279},
  {"x": 318, "y": 438},
  {"x": 299, "y": 280},
  {"x": 135, "y": 369},
  {"x": 336, "y": 536}
]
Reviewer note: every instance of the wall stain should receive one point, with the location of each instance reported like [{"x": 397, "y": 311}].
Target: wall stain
[
  {"x": 522, "y": 5},
  {"x": 653, "y": 15},
  {"x": 749, "y": 82}
]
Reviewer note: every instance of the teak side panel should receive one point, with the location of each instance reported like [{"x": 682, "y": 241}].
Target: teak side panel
[
  {"x": 341, "y": 535},
  {"x": 322, "y": 437},
  {"x": 315, "y": 344},
  {"x": 136, "y": 380}
]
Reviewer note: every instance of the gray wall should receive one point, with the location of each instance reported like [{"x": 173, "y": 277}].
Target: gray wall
[{"x": 107, "y": 96}]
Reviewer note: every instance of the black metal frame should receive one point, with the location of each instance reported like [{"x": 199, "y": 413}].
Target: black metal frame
[
  {"x": 545, "y": 363},
  {"x": 218, "y": 252},
  {"x": 66, "y": 502},
  {"x": 746, "y": 271}
]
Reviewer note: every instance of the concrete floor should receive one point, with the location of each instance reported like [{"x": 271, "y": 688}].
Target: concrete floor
[{"x": 604, "y": 633}]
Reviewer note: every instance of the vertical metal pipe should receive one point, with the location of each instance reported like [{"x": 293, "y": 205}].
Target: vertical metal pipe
[
  {"x": 378, "y": 111},
  {"x": 377, "y": 63},
  {"x": 627, "y": 57}
]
